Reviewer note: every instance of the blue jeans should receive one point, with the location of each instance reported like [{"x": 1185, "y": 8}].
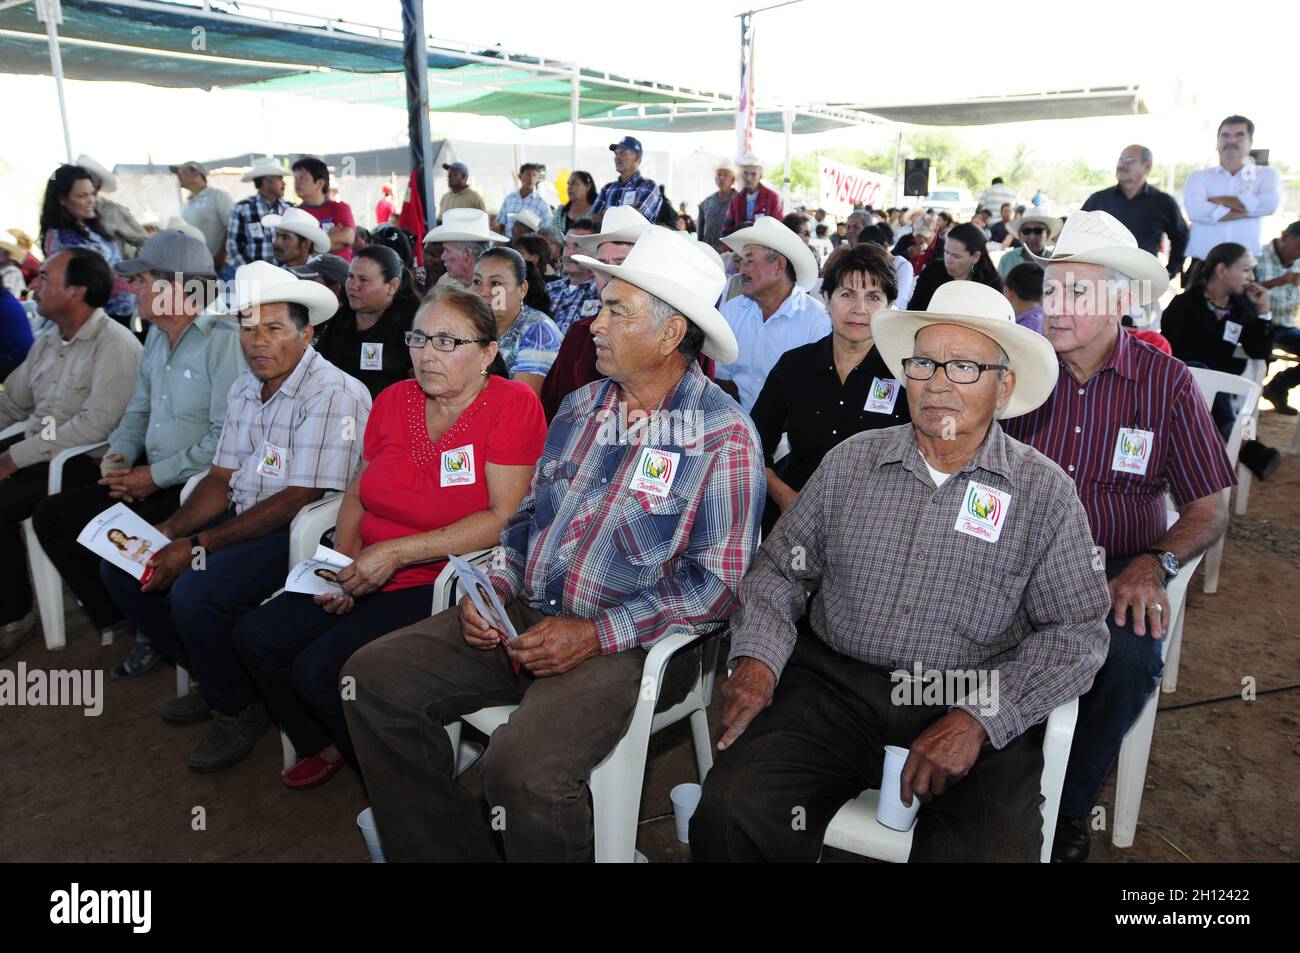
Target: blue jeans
[
  {"x": 192, "y": 622},
  {"x": 1109, "y": 709}
]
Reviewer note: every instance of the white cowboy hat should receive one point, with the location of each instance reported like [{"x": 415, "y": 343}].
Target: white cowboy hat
[
  {"x": 464, "y": 225},
  {"x": 12, "y": 248},
  {"x": 772, "y": 233},
  {"x": 675, "y": 269},
  {"x": 1053, "y": 224},
  {"x": 261, "y": 282},
  {"x": 622, "y": 223},
  {"x": 266, "y": 165},
  {"x": 150, "y": 217},
  {"x": 178, "y": 224},
  {"x": 107, "y": 180},
  {"x": 1099, "y": 238},
  {"x": 749, "y": 159},
  {"x": 302, "y": 223},
  {"x": 528, "y": 219},
  {"x": 976, "y": 306}
]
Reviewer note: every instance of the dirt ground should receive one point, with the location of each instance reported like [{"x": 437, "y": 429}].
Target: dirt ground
[{"x": 1223, "y": 781}]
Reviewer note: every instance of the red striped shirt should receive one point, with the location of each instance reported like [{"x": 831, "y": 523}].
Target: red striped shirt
[{"x": 1079, "y": 426}]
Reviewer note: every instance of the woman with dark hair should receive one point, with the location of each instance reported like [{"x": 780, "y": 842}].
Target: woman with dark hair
[
  {"x": 582, "y": 195},
  {"x": 447, "y": 460},
  {"x": 822, "y": 393},
  {"x": 537, "y": 253},
  {"x": 69, "y": 220},
  {"x": 365, "y": 337},
  {"x": 965, "y": 258},
  {"x": 527, "y": 337},
  {"x": 390, "y": 236}
]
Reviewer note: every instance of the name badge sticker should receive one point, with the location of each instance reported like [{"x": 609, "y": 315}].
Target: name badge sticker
[
  {"x": 882, "y": 397},
  {"x": 254, "y": 229},
  {"x": 983, "y": 512},
  {"x": 271, "y": 461},
  {"x": 590, "y": 308},
  {"x": 655, "y": 472},
  {"x": 629, "y": 197},
  {"x": 1231, "y": 332},
  {"x": 372, "y": 356},
  {"x": 457, "y": 466},
  {"x": 1132, "y": 451}
]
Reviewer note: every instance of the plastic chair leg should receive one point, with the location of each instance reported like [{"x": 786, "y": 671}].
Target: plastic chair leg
[
  {"x": 1173, "y": 653},
  {"x": 48, "y": 586},
  {"x": 1213, "y": 562},
  {"x": 703, "y": 745},
  {"x": 1243, "y": 490},
  {"x": 1131, "y": 774},
  {"x": 182, "y": 682},
  {"x": 290, "y": 756},
  {"x": 616, "y": 805}
]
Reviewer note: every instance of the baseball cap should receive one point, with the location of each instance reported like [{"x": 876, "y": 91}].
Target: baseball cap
[
  {"x": 330, "y": 267},
  {"x": 627, "y": 142},
  {"x": 190, "y": 166},
  {"x": 460, "y": 167},
  {"x": 167, "y": 253}
]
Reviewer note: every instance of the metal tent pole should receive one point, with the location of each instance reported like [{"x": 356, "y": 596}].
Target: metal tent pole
[
  {"x": 51, "y": 14},
  {"x": 573, "y": 118},
  {"x": 415, "y": 61},
  {"x": 788, "y": 117}
]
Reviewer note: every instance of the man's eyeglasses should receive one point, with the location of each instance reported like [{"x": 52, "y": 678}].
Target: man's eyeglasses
[
  {"x": 440, "y": 342},
  {"x": 1033, "y": 231},
  {"x": 958, "y": 372}
]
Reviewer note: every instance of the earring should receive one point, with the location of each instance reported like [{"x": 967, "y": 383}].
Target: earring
[{"x": 483, "y": 372}]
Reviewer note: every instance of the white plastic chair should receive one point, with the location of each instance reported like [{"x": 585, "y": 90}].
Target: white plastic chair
[
  {"x": 182, "y": 674},
  {"x": 854, "y": 827},
  {"x": 1211, "y": 383},
  {"x": 1255, "y": 371}
]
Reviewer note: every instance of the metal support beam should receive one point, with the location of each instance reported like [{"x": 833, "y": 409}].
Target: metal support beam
[
  {"x": 49, "y": 13},
  {"x": 416, "y": 61},
  {"x": 574, "y": 92}
]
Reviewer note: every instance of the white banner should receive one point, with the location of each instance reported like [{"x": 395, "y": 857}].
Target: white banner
[{"x": 843, "y": 186}]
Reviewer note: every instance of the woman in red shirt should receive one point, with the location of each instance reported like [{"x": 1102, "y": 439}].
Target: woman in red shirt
[{"x": 447, "y": 459}]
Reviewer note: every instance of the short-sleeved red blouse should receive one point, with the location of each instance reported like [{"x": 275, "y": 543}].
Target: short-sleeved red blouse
[{"x": 412, "y": 485}]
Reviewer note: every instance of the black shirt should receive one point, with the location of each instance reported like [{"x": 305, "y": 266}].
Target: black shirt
[
  {"x": 932, "y": 277},
  {"x": 1196, "y": 334},
  {"x": 803, "y": 398},
  {"x": 998, "y": 231},
  {"x": 1148, "y": 215},
  {"x": 339, "y": 342}
]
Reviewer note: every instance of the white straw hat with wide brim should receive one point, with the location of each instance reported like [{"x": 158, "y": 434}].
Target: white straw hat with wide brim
[
  {"x": 464, "y": 225},
  {"x": 301, "y": 223},
  {"x": 976, "y": 306},
  {"x": 261, "y": 282},
  {"x": 1099, "y": 238},
  {"x": 107, "y": 180},
  {"x": 266, "y": 165},
  {"x": 676, "y": 269},
  {"x": 1053, "y": 224},
  {"x": 622, "y": 223},
  {"x": 528, "y": 219},
  {"x": 178, "y": 224},
  {"x": 772, "y": 233}
]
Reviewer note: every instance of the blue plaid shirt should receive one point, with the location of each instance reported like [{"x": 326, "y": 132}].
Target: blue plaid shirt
[
  {"x": 570, "y": 303},
  {"x": 641, "y": 193},
  {"x": 247, "y": 239},
  {"x": 514, "y": 203},
  {"x": 530, "y": 344}
]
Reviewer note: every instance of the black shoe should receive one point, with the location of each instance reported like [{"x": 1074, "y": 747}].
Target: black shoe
[
  {"x": 1072, "y": 842},
  {"x": 230, "y": 739},
  {"x": 1277, "y": 397},
  {"x": 191, "y": 709},
  {"x": 1261, "y": 460}
]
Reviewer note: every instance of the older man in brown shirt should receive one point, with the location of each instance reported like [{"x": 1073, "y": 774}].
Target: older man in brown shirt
[{"x": 940, "y": 546}]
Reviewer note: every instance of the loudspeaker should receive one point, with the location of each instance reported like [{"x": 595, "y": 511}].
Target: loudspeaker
[
  {"x": 916, "y": 176},
  {"x": 1260, "y": 156}
]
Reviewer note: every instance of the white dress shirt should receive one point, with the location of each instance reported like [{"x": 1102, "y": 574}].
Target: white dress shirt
[
  {"x": 906, "y": 281},
  {"x": 1257, "y": 188},
  {"x": 800, "y": 320}
]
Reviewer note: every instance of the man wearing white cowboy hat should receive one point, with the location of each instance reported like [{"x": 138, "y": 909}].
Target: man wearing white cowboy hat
[
  {"x": 1034, "y": 229},
  {"x": 713, "y": 210},
  {"x": 298, "y": 237},
  {"x": 207, "y": 209},
  {"x": 292, "y": 431},
  {"x": 116, "y": 219},
  {"x": 633, "y": 528},
  {"x": 526, "y": 223},
  {"x": 774, "y": 311},
  {"x": 1128, "y": 424},
  {"x": 754, "y": 199},
  {"x": 464, "y": 235},
  {"x": 574, "y": 294},
  {"x": 942, "y": 546},
  {"x": 247, "y": 238}
]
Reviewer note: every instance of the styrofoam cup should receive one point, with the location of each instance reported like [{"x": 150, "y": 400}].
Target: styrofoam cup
[
  {"x": 685, "y": 798},
  {"x": 890, "y": 810},
  {"x": 370, "y": 833}
]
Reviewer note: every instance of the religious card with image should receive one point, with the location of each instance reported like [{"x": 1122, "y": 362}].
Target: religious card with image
[
  {"x": 485, "y": 598},
  {"x": 318, "y": 576},
  {"x": 122, "y": 537}
]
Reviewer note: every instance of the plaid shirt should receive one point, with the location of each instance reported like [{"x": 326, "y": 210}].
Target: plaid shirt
[
  {"x": 894, "y": 584},
  {"x": 639, "y": 192},
  {"x": 514, "y": 203},
  {"x": 1283, "y": 299},
  {"x": 530, "y": 343},
  {"x": 247, "y": 239},
  {"x": 584, "y": 543},
  {"x": 569, "y": 302},
  {"x": 311, "y": 429}
]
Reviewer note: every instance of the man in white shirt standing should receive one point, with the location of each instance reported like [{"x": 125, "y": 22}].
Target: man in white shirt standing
[{"x": 1226, "y": 202}]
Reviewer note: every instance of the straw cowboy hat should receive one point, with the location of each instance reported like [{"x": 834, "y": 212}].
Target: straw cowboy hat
[
  {"x": 464, "y": 225},
  {"x": 1098, "y": 238},
  {"x": 622, "y": 223},
  {"x": 12, "y": 248},
  {"x": 107, "y": 180},
  {"x": 1053, "y": 224},
  {"x": 266, "y": 165},
  {"x": 772, "y": 233},
  {"x": 749, "y": 159},
  {"x": 302, "y": 223},
  {"x": 976, "y": 306},
  {"x": 22, "y": 238},
  {"x": 261, "y": 282},
  {"x": 528, "y": 219},
  {"x": 675, "y": 269}
]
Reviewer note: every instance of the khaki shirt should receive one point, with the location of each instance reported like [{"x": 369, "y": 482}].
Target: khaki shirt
[
  {"x": 70, "y": 393},
  {"x": 465, "y": 198}
]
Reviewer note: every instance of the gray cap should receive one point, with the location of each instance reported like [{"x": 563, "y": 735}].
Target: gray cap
[
  {"x": 169, "y": 252},
  {"x": 190, "y": 166},
  {"x": 330, "y": 267}
]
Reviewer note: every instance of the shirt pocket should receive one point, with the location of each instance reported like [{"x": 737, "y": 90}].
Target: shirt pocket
[
  {"x": 646, "y": 528},
  {"x": 987, "y": 609},
  {"x": 554, "y": 481}
]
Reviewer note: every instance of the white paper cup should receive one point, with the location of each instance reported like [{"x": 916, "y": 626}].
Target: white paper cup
[
  {"x": 685, "y": 798},
  {"x": 890, "y": 810},
  {"x": 468, "y": 753},
  {"x": 370, "y": 833}
]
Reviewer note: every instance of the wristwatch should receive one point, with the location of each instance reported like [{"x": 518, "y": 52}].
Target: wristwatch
[{"x": 1168, "y": 562}]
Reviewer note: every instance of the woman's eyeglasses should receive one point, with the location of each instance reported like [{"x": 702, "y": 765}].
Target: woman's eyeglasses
[{"x": 440, "y": 342}]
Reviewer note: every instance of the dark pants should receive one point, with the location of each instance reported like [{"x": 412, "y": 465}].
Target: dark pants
[
  {"x": 295, "y": 651},
  {"x": 59, "y": 518},
  {"x": 192, "y": 623},
  {"x": 771, "y": 795},
  {"x": 413, "y": 682},
  {"x": 19, "y": 496},
  {"x": 1286, "y": 339},
  {"x": 1109, "y": 709}
]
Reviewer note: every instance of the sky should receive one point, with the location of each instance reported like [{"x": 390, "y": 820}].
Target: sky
[{"x": 813, "y": 51}]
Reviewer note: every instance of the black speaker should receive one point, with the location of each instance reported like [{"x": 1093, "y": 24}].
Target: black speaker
[
  {"x": 916, "y": 176},
  {"x": 1260, "y": 156}
]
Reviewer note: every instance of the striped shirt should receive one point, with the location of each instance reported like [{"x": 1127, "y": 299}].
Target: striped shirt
[
  {"x": 570, "y": 302},
  {"x": 530, "y": 344},
  {"x": 247, "y": 239},
  {"x": 585, "y": 543},
  {"x": 1283, "y": 299},
  {"x": 639, "y": 192},
  {"x": 1138, "y": 388},
  {"x": 308, "y": 434},
  {"x": 514, "y": 203}
]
